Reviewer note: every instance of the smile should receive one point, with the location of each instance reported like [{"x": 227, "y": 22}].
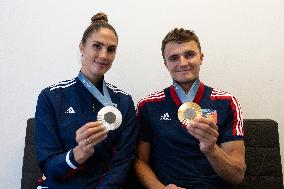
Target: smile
[
  {"x": 101, "y": 63},
  {"x": 184, "y": 70}
]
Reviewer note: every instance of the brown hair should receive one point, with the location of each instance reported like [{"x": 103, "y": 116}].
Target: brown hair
[
  {"x": 98, "y": 21},
  {"x": 179, "y": 35}
]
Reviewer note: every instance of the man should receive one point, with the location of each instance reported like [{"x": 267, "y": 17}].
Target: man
[{"x": 201, "y": 153}]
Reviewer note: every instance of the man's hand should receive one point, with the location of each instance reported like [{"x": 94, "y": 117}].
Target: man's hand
[
  {"x": 206, "y": 132},
  {"x": 227, "y": 160}
]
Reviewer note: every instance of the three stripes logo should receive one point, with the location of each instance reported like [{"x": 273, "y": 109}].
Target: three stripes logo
[
  {"x": 70, "y": 111},
  {"x": 166, "y": 117}
]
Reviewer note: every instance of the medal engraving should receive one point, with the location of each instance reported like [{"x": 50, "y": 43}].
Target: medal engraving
[
  {"x": 189, "y": 114},
  {"x": 109, "y": 117}
]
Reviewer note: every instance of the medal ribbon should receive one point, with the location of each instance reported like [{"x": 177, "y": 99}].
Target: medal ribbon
[
  {"x": 102, "y": 98},
  {"x": 189, "y": 97}
]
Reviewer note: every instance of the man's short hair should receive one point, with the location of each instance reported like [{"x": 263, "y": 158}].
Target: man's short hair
[{"x": 179, "y": 35}]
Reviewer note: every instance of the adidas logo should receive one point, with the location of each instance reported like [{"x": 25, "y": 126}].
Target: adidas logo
[
  {"x": 70, "y": 111},
  {"x": 166, "y": 117}
]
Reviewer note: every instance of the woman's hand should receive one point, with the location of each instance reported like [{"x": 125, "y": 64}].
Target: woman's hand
[{"x": 87, "y": 137}]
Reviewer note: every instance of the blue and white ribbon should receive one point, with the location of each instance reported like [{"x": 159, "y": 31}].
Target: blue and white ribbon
[
  {"x": 189, "y": 97},
  {"x": 102, "y": 98}
]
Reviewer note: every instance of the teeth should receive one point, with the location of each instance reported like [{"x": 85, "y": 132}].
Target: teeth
[{"x": 183, "y": 70}]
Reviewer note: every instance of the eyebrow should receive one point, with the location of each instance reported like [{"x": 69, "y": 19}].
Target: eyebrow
[
  {"x": 104, "y": 44},
  {"x": 173, "y": 55},
  {"x": 177, "y": 54}
]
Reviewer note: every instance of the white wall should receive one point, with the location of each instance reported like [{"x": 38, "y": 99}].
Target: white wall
[{"x": 243, "y": 42}]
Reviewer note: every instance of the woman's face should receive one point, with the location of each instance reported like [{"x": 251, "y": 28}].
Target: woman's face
[{"x": 98, "y": 53}]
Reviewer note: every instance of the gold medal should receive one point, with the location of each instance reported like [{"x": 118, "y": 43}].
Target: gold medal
[
  {"x": 188, "y": 111},
  {"x": 110, "y": 117}
]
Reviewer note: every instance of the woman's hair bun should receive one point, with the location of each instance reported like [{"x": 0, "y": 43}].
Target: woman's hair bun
[{"x": 99, "y": 17}]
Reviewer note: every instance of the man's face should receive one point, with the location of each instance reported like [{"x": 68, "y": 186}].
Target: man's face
[{"x": 183, "y": 61}]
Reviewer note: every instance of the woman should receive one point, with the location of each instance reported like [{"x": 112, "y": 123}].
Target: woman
[{"x": 80, "y": 142}]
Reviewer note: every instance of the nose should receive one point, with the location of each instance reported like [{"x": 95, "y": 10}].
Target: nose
[
  {"x": 103, "y": 54},
  {"x": 183, "y": 61}
]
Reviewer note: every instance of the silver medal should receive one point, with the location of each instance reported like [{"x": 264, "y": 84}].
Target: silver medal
[{"x": 110, "y": 117}]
